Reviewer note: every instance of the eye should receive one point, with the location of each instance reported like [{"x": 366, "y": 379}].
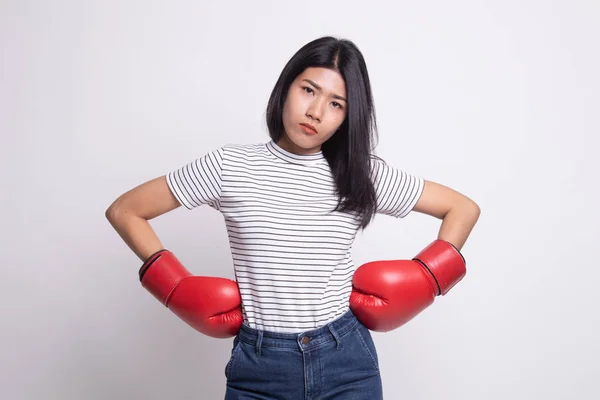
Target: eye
[
  {"x": 336, "y": 104},
  {"x": 307, "y": 89}
]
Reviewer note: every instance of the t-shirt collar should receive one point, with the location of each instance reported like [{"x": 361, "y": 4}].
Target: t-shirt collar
[{"x": 305, "y": 159}]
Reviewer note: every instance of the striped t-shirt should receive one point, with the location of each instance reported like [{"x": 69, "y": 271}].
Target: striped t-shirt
[{"x": 291, "y": 254}]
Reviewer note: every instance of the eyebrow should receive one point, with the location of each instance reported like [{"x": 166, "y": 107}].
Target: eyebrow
[{"x": 335, "y": 96}]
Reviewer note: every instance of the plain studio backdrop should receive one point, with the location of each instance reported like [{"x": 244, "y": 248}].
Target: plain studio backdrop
[{"x": 498, "y": 100}]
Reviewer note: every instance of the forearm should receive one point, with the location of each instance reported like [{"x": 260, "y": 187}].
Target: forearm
[
  {"x": 136, "y": 232},
  {"x": 458, "y": 223}
]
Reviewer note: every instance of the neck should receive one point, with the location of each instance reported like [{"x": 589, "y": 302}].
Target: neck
[{"x": 285, "y": 143}]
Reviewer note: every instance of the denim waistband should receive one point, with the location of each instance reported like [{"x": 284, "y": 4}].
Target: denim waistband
[{"x": 301, "y": 340}]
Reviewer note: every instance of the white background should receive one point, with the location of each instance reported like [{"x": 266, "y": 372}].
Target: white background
[{"x": 498, "y": 100}]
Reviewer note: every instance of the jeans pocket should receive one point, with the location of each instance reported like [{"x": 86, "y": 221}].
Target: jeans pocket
[
  {"x": 364, "y": 336},
  {"x": 234, "y": 352}
]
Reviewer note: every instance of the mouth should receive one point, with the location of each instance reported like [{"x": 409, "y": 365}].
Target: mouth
[{"x": 309, "y": 129}]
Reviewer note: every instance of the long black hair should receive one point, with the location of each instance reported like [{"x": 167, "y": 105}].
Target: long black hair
[{"x": 348, "y": 151}]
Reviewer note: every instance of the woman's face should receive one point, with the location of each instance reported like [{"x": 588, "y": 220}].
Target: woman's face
[{"x": 317, "y": 99}]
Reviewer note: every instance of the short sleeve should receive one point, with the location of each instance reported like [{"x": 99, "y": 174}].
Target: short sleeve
[
  {"x": 397, "y": 191},
  {"x": 198, "y": 182}
]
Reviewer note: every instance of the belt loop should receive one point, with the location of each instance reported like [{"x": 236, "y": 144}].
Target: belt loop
[
  {"x": 259, "y": 342},
  {"x": 335, "y": 335}
]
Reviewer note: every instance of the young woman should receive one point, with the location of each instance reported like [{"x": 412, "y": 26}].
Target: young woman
[{"x": 300, "y": 311}]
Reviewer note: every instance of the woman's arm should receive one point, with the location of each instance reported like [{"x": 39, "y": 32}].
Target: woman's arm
[
  {"x": 458, "y": 213},
  {"x": 129, "y": 215}
]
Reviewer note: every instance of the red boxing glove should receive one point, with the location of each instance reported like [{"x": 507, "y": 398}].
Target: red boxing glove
[
  {"x": 388, "y": 294},
  {"x": 210, "y": 305}
]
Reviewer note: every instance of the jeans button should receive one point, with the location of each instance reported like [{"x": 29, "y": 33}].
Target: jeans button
[{"x": 305, "y": 340}]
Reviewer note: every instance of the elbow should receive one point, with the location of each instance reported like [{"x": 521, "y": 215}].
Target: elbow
[
  {"x": 468, "y": 209},
  {"x": 114, "y": 212},
  {"x": 474, "y": 211},
  {"x": 477, "y": 209},
  {"x": 111, "y": 214},
  {"x": 121, "y": 210}
]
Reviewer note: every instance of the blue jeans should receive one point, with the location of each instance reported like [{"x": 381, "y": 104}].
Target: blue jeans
[{"x": 337, "y": 361}]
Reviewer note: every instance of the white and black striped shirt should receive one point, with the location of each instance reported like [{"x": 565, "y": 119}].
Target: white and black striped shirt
[{"x": 291, "y": 253}]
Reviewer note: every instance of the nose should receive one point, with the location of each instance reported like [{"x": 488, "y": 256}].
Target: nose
[{"x": 315, "y": 110}]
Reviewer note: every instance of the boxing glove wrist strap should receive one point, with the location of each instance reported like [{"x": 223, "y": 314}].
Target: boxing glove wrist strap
[
  {"x": 444, "y": 263},
  {"x": 161, "y": 273},
  {"x": 148, "y": 263}
]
